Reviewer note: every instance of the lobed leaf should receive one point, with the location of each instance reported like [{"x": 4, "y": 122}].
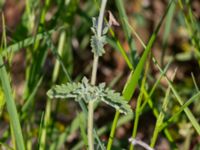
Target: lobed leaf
[
  {"x": 98, "y": 42},
  {"x": 62, "y": 91},
  {"x": 117, "y": 101},
  {"x": 86, "y": 92}
]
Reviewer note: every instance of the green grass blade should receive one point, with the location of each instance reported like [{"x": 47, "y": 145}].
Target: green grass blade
[
  {"x": 82, "y": 126},
  {"x": 192, "y": 27},
  {"x": 68, "y": 130},
  {"x": 40, "y": 131},
  {"x": 11, "y": 107},
  {"x": 10, "y": 103},
  {"x": 148, "y": 99},
  {"x": 31, "y": 97},
  {"x": 186, "y": 110},
  {"x": 2, "y": 100},
  {"x": 161, "y": 115},
  {"x": 59, "y": 59},
  {"x": 100, "y": 143},
  {"x": 167, "y": 30},
  {"x": 191, "y": 100},
  {"x": 154, "y": 87},
  {"x": 195, "y": 83},
  {"x": 168, "y": 23},
  {"x": 60, "y": 50},
  {"x": 156, "y": 113},
  {"x": 138, "y": 105},
  {"x": 123, "y": 17},
  {"x": 25, "y": 43},
  {"x": 112, "y": 132},
  {"x": 134, "y": 77},
  {"x": 116, "y": 44}
]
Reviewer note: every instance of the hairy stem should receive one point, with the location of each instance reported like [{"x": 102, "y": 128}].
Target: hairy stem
[
  {"x": 100, "y": 19},
  {"x": 90, "y": 125},
  {"x": 93, "y": 79},
  {"x": 94, "y": 69}
]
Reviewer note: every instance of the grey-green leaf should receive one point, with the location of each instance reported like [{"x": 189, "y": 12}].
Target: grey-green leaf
[
  {"x": 63, "y": 91},
  {"x": 86, "y": 92},
  {"x": 116, "y": 101},
  {"x": 97, "y": 44}
]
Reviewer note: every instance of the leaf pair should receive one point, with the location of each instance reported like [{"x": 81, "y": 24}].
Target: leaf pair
[
  {"x": 98, "y": 42},
  {"x": 83, "y": 91}
]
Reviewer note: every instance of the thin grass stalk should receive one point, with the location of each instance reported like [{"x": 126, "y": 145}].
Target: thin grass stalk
[
  {"x": 13, "y": 138},
  {"x": 127, "y": 94},
  {"x": 11, "y": 107},
  {"x": 30, "y": 15},
  {"x": 192, "y": 28},
  {"x": 4, "y": 39},
  {"x": 30, "y": 99},
  {"x": 156, "y": 113},
  {"x": 171, "y": 119},
  {"x": 40, "y": 130},
  {"x": 45, "y": 125},
  {"x": 63, "y": 40},
  {"x": 48, "y": 104},
  {"x": 112, "y": 132},
  {"x": 124, "y": 18},
  {"x": 154, "y": 87},
  {"x": 121, "y": 49},
  {"x": 167, "y": 30},
  {"x": 122, "y": 120},
  {"x": 138, "y": 106},
  {"x": 32, "y": 71},
  {"x": 195, "y": 83},
  {"x": 161, "y": 116},
  {"x": 44, "y": 11},
  {"x": 60, "y": 52},
  {"x": 58, "y": 57},
  {"x": 187, "y": 111}
]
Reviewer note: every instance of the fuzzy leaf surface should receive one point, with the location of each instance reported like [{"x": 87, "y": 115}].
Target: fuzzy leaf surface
[
  {"x": 83, "y": 91},
  {"x": 98, "y": 42}
]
